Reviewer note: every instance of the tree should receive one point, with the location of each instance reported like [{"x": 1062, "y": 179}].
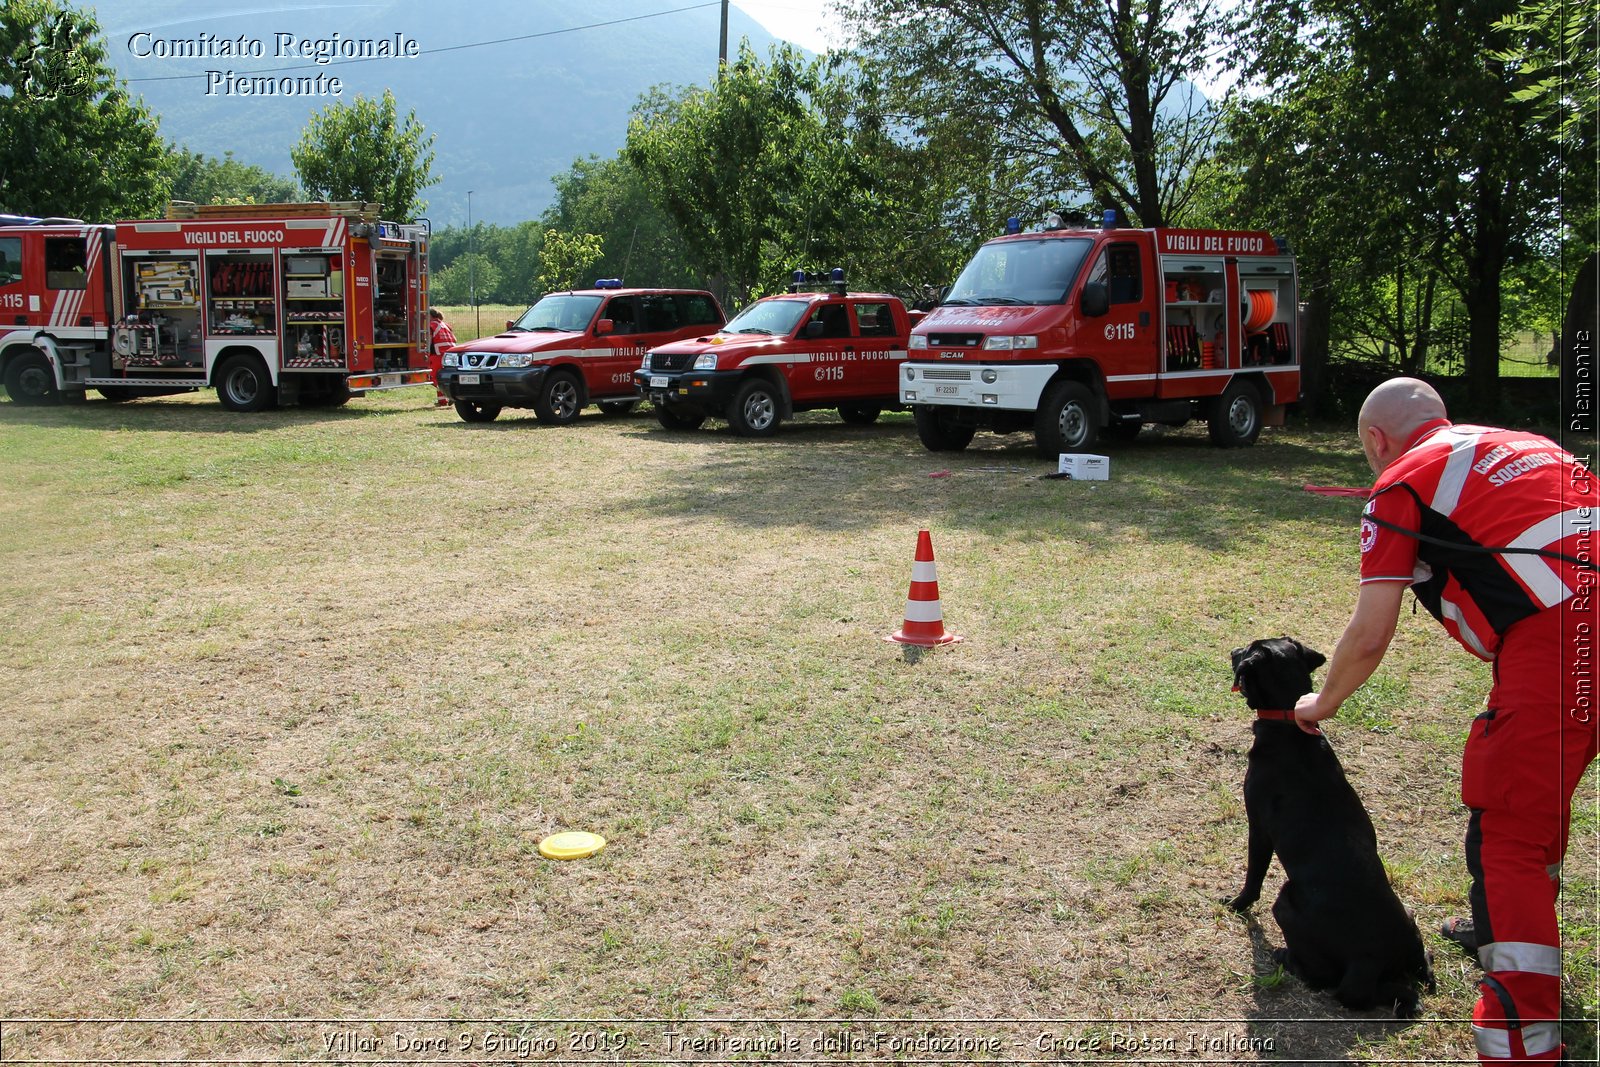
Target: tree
[
  {"x": 362, "y": 151},
  {"x": 1090, "y": 98},
  {"x": 227, "y": 181},
  {"x": 72, "y": 142},
  {"x": 1391, "y": 142},
  {"x": 778, "y": 166},
  {"x": 611, "y": 198},
  {"x": 469, "y": 279},
  {"x": 566, "y": 258}
]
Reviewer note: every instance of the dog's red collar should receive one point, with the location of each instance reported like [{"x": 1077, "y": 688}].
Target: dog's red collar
[{"x": 1275, "y": 715}]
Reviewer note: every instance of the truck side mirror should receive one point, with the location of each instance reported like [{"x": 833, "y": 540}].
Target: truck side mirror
[
  {"x": 1095, "y": 301},
  {"x": 510, "y": 323},
  {"x": 813, "y": 330},
  {"x": 603, "y": 327}
]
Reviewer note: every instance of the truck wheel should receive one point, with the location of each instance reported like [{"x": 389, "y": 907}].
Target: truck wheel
[
  {"x": 860, "y": 414},
  {"x": 756, "y": 409},
  {"x": 939, "y": 432},
  {"x": 1236, "y": 416},
  {"x": 243, "y": 384},
  {"x": 671, "y": 418},
  {"x": 30, "y": 381},
  {"x": 1067, "y": 420},
  {"x": 617, "y": 407},
  {"x": 471, "y": 411},
  {"x": 560, "y": 399}
]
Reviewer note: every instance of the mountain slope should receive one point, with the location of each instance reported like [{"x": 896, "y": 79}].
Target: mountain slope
[{"x": 512, "y": 91}]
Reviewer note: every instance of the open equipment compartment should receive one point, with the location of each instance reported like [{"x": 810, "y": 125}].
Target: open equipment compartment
[
  {"x": 162, "y": 325},
  {"x": 314, "y": 311},
  {"x": 1194, "y": 291}
]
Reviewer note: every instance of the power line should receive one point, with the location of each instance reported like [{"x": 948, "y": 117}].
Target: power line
[{"x": 448, "y": 48}]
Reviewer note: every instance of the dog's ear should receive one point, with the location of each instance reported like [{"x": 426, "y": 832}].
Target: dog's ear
[
  {"x": 1313, "y": 658},
  {"x": 1245, "y": 659}
]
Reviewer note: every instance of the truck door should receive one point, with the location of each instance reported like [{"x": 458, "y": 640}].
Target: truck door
[
  {"x": 832, "y": 371},
  {"x": 878, "y": 337},
  {"x": 1126, "y": 336},
  {"x": 617, "y": 354},
  {"x": 13, "y": 290},
  {"x": 75, "y": 282}
]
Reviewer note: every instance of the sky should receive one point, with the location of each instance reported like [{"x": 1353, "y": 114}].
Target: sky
[{"x": 807, "y": 23}]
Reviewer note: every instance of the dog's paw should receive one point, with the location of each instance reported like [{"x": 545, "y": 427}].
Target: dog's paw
[
  {"x": 1242, "y": 902},
  {"x": 1408, "y": 1007}
]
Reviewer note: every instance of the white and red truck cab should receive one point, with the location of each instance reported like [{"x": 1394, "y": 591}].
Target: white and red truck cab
[
  {"x": 266, "y": 303},
  {"x": 782, "y": 354},
  {"x": 572, "y": 349},
  {"x": 1072, "y": 332}
]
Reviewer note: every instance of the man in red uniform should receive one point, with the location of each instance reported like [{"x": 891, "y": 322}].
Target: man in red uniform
[
  {"x": 1494, "y": 530},
  {"x": 441, "y": 337}
]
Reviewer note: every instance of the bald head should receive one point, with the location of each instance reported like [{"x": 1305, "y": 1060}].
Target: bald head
[
  {"x": 1399, "y": 406},
  {"x": 1391, "y": 414}
]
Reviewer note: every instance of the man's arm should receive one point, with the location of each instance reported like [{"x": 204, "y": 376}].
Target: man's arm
[{"x": 1366, "y": 639}]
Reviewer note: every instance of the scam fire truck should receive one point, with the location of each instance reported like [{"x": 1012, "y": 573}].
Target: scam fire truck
[
  {"x": 572, "y": 349},
  {"x": 782, "y": 354},
  {"x": 1071, "y": 332},
  {"x": 312, "y": 303}
]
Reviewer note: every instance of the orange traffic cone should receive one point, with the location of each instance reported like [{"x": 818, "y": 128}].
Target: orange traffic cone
[{"x": 924, "y": 624}]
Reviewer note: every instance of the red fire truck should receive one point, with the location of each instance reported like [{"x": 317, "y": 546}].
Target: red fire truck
[
  {"x": 1071, "y": 332},
  {"x": 266, "y": 303},
  {"x": 782, "y": 354}
]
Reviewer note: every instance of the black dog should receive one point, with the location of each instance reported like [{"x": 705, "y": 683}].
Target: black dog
[{"x": 1343, "y": 927}]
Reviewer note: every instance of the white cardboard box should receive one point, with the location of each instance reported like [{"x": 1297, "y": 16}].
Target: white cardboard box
[{"x": 1081, "y": 467}]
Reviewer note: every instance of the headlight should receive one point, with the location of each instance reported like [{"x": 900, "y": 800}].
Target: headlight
[
  {"x": 989, "y": 376},
  {"x": 1006, "y": 343},
  {"x": 451, "y": 359},
  {"x": 708, "y": 361},
  {"x": 644, "y": 364},
  {"x": 919, "y": 340},
  {"x": 514, "y": 360}
]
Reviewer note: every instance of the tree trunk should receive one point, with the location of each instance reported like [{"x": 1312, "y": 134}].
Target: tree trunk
[{"x": 1315, "y": 327}]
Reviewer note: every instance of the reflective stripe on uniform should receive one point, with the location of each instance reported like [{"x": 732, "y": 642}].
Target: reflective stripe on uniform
[
  {"x": 1539, "y": 575},
  {"x": 1452, "y": 611},
  {"x": 1537, "y": 1039},
  {"x": 1456, "y": 468},
  {"x": 1524, "y": 956}
]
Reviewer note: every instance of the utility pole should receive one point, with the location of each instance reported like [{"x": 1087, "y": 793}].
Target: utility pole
[
  {"x": 722, "y": 44},
  {"x": 472, "y": 270}
]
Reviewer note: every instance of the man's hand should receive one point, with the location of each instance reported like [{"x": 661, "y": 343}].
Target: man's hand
[{"x": 1312, "y": 709}]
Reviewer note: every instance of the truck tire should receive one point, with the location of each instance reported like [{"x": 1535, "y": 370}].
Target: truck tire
[
  {"x": 860, "y": 414},
  {"x": 330, "y": 392},
  {"x": 939, "y": 432},
  {"x": 29, "y": 380},
  {"x": 756, "y": 409},
  {"x": 1068, "y": 420},
  {"x": 617, "y": 407},
  {"x": 1236, "y": 416},
  {"x": 472, "y": 411},
  {"x": 671, "y": 418},
  {"x": 244, "y": 385},
  {"x": 560, "y": 399}
]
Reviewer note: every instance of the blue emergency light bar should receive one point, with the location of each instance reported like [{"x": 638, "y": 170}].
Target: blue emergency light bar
[
  {"x": 834, "y": 280},
  {"x": 608, "y": 283},
  {"x": 1013, "y": 225}
]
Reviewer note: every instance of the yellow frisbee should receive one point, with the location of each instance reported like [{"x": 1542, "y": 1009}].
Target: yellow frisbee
[{"x": 571, "y": 845}]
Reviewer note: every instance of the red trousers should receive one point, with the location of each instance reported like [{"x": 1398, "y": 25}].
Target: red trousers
[{"x": 1522, "y": 763}]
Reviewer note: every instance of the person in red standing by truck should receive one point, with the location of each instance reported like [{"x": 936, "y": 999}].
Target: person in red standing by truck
[
  {"x": 1494, "y": 531},
  {"x": 441, "y": 337}
]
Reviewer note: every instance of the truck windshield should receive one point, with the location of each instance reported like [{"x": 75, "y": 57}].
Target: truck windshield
[
  {"x": 559, "y": 312},
  {"x": 1020, "y": 272},
  {"x": 776, "y": 317}
]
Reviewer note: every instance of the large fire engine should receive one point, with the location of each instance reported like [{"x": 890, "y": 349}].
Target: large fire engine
[
  {"x": 827, "y": 348},
  {"x": 275, "y": 302},
  {"x": 1071, "y": 332}
]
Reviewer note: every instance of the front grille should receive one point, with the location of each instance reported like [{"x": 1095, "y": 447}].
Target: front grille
[
  {"x": 670, "y": 360},
  {"x": 955, "y": 340},
  {"x": 947, "y": 374},
  {"x": 477, "y": 360}
]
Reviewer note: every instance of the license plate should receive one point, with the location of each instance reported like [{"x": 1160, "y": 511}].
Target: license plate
[
  {"x": 658, "y": 382},
  {"x": 467, "y": 379},
  {"x": 946, "y": 390}
]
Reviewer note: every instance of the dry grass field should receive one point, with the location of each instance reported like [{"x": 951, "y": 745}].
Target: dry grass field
[{"x": 291, "y": 698}]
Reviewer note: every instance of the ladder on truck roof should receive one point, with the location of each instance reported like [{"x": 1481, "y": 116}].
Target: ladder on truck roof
[{"x": 341, "y": 209}]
